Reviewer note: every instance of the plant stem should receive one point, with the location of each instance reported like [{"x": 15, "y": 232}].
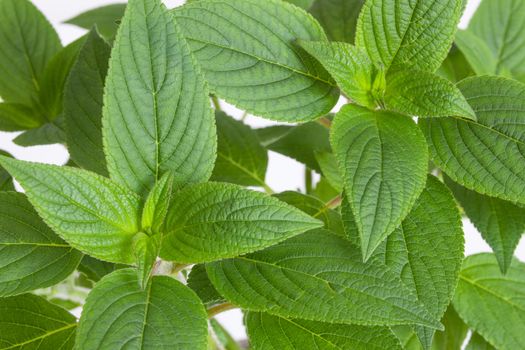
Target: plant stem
[
  {"x": 325, "y": 122},
  {"x": 217, "y": 309},
  {"x": 216, "y": 102},
  {"x": 308, "y": 181},
  {"x": 334, "y": 202},
  {"x": 178, "y": 268},
  {"x": 267, "y": 188},
  {"x": 244, "y": 115}
]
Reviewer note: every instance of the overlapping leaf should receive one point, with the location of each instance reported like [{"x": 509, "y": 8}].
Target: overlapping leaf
[
  {"x": 106, "y": 18},
  {"x": 338, "y": 17}
]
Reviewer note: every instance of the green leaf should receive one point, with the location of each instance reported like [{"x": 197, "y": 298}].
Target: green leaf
[
  {"x": 408, "y": 33},
  {"x": 28, "y": 42},
  {"x": 320, "y": 277},
  {"x": 305, "y": 4},
  {"x": 299, "y": 142},
  {"x": 268, "y": 332},
  {"x": 6, "y": 181},
  {"x": 490, "y": 303},
  {"x": 455, "y": 332},
  {"x": 338, "y": 17},
  {"x": 31, "y": 322},
  {"x": 476, "y": 52},
  {"x": 223, "y": 337},
  {"x": 383, "y": 159},
  {"x": 248, "y": 55},
  {"x": 350, "y": 67},
  {"x": 31, "y": 255},
  {"x": 146, "y": 249},
  {"x": 118, "y": 314},
  {"x": 157, "y": 114},
  {"x": 47, "y": 134},
  {"x": 330, "y": 169},
  {"x": 240, "y": 157},
  {"x": 199, "y": 282},
  {"x": 83, "y": 104},
  {"x": 96, "y": 269},
  {"x": 455, "y": 67},
  {"x": 501, "y": 223},
  {"x": 157, "y": 204},
  {"x": 212, "y": 221},
  {"x": 92, "y": 213},
  {"x": 106, "y": 18},
  {"x": 16, "y": 117},
  {"x": 487, "y": 156},
  {"x": 478, "y": 343},
  {"x": 423, "y": 94},
  {"x": 499, "y": 24}
]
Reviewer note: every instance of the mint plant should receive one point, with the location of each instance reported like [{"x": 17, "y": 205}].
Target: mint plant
[{"x": 163, "y": 219}]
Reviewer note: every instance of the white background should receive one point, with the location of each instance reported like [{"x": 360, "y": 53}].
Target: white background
[{"x": 283, "y": 173}]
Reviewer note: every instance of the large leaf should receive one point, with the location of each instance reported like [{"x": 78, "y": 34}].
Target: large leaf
[
  {"x": 31, "y": 322},
  {"x": 240, "y": 157},
  {"x": 118, "y": 314},
  {"x": 413, "y": 33},
  {"x": 106, "y": 18},
  {"x": 321, "y": 277},
  {"x": 490, "y": 303},
  {"x": 28, "y": 42},
  {"x": 90, "y": 212},
  {"x": 31, "y": 255},
  {"x": 212, "y": 221},
  {"x": 83, "y": 104},
  {"x": 268, "y": 332},
  {"x": 248, "y": 55},
  {"x": 338, "y": 17},
  {"x": 501, "y": 223},
  {"x": 383, "y": 159},
  {"x": 486, "y": 156},
  {"x": 157, "y": 115}
]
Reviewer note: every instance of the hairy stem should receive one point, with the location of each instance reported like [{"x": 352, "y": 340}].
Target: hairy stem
[{"x": 217, "y": 309}]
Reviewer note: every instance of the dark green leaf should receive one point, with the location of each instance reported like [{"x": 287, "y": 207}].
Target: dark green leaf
[
  {"x": 106, "y": 18},
  {"x": 6, "y": 181},
  {"x": 455, "y": 332},
  {"x": 477, "y": 342},
  {"x": 16, "y": 117},
  {"x": 47, "y": 134},
  {"x": 200, "y": 283},
  {"x": 338, "y": 17},
  {"x": 96, "y": 269}
]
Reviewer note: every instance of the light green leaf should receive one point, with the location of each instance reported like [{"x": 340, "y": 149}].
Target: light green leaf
[
  {"x": 92, "y": 213},
  {"x": 478, "y": 343},
  {"x": 487, "y": 156},
  {"x": 408, "y": 33},
  {"x": 212, "y": 221},
  {"x": 483, "y": 291},
  {"x": 350, "y": 67},
  {"x": 118, "y": 314},
  {"x": 157, "y": 115},
  {"x": 28, "y": 42},
  {"x": 476, "y": 52},
  {"x": 247, "y": 51},
  {"x": 31, "y": 322},
  {"x": 47, "y": 134},
  {"x": 501, "y": 223},
  {"x": 383, "y": 159},
  {"x": 16, "y": 117},
  {"x": 106, "y": 18},
  {"x": 6, "y": 181},
  {"x": 423, "y": 94},
  {"x": 146, "y": 249},
  {"x": 455, "y": 332},
  {"x": 31, "y": 255},
  {"x": 199, "y": 282},
  {"x": 83, "y": 104},
  {"x": 338, "y": 17},
  {"x": 499, "y": 24},
  {"x": 157, "y": 204},
  {"x": 330, "y": 169},
  {"x": 320, "y": 277},
  {"x": 269, "y": 332},
  {"x": 240, "y": 157}
]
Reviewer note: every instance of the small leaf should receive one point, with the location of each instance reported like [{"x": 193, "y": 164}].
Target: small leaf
[
  {"x": 305, "y": 4},
  {"x": 453, "y": 337},
  {"x": 6, "y": 181},
  {"x": 383, "y": 159},
  {"x": 96, "y": 269},
  {"x": 90, "y": 212},
  {"x": 338, "y": 17},
  {"x": 483, "y": 290},
  {"x": 31, "y": 322},
  {"x": 146, "y": 249},
  {"x": 455, "y": 67},
  {"x": 407, "y": 33},
  {"x": 240, "y": 157},
  {"x": 476, "y": 52},
  {"x": 269, "y": 332},
  {"x": 83, "y": 104},
  {"x": 157, "y": 115},
  {"x": 17, "y": 117},
  {"x": 157, "y": 204},
  {"x": 248, "y": 55},
  {"x": 106, "y": 19},
  {"x": 212, "y": 221},
  {"x": 320, "y": 277},
  {"x": 28, "y": 42},
  {"x": 31, "y": 255},
  {"x": 199, "y": 282},
  {"x": 47, "y": 134},
  {"x": 478, "y": 343},
  {"x": 330, "y": 169},
  {"x": 118, "y": 314}
]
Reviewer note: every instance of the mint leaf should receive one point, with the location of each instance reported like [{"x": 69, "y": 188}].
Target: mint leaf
[
  {"x": 118, "y": 314},
  {"x": 476, "y": 52},
  {"x": 247, "y": 52},
  {"x": 31, "y": 255},
  {"x": 455, "y": 332},
  {"x": 455, "y": 67},
  {"x": 212, "y": 221},
  {"x": 146, "y": 249},
  {"x": 501, "y": 223},
  {"x": 483, "y": 290},
  {"x": 477, "y": 342},
  {"x": 407, "y": 33},
  {"x": 338, "y": 17},
  {"x": 95, "y": 269},
  {"x": 17, "y": 117},
  {"x": 157, "y": 204},
  {"x": 241, "y": 159},
  {"x": 268, "y": 332},
  {"x": 330, "y": 169},
  {"x": 92, "y": 213},
  {"x": 423, "y": 94},
  {"x": 83, "y": 104},
  {"x": 106, "y": 18},
  {"x": 24, "y": 32},
  {"x": 47, "y": 134},
  {"x": 383, "y": 159},
  {"x": 321, "y": 277},
  {"x": 199, "y": 282},
  {"x": 31, "y": 322},
  {"x": 157, "y": 115}
]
